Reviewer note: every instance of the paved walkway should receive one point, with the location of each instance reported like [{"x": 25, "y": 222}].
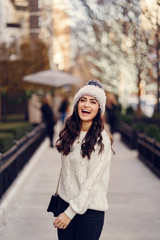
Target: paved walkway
[{"x": 134, "y": 199}]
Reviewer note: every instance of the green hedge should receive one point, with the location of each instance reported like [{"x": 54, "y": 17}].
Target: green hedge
[
  {"x": 149, "y": 126},
  {"x": 18, "y": 129},
  {"x": 10, "y": 132},
  {"x": 153, "y": 131},
  {"x": 141, "y": 126},
  {"x": 6, "y": 141},
  {"x": 14, "y": 117}
]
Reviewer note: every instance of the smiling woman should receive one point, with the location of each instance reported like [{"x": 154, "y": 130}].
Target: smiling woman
[{"x": 85, "y": 149}]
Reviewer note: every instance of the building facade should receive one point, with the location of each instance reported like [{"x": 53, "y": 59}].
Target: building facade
[
  {"x": 24, "y": 20},
  {"x": 13, "y": 21}
]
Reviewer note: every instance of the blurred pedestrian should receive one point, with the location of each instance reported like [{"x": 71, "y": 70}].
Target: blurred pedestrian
[
  {"x": 85, "y": 148},
  {"x": 111, "y": 111},
  {"x": 48, "y": 118},
  {"x": 63, "y": 108},
  {"x": 34, "y": 110}
]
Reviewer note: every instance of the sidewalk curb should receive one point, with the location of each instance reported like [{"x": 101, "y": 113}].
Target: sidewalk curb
[{"x": 11, "y": 196}]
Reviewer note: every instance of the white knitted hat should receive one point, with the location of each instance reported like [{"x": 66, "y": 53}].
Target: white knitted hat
[{"x": 93, "y": 88}]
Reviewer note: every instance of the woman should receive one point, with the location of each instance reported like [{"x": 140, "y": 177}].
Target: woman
[
  {"x": 85, "y": 149},
  {"x": 48, "y": 118}
]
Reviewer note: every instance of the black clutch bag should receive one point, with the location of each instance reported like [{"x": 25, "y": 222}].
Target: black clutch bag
[
  {"x": 53, "y": 205},
  {"x": 54, "y": 201}
]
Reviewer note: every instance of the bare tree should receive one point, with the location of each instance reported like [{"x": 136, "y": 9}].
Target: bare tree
[{"x": 111, "y": 33}]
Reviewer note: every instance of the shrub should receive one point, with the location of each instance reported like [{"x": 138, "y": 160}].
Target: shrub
[
  {"x": 6, "y": 141},
  {"x": 153, "y": 131},
  {"x": 156, "y": 118},
  {"x": 130, "y": 110},
  {"x": 140, "y": 126},
  {"x": 17, "y": 129},
  {"x": 127, "y": 119},
  {"x": 14, "y": 117}
]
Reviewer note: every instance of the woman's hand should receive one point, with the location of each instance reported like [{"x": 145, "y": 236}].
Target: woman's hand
[{"x": 62, "y": 221}]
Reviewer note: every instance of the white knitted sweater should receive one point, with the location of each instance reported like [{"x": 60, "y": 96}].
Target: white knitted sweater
[{"x": 84, "y": 183}]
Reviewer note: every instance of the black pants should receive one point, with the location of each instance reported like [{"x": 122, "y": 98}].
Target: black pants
[
  {"x": 82, "y": 227},
  {"x": 50, "y": 132}
]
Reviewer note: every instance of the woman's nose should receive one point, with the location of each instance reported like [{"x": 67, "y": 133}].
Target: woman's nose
[{"x": 86, "y": 104}]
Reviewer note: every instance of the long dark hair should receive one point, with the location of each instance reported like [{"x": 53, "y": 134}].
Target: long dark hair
[{"x": 72, "y": 130}]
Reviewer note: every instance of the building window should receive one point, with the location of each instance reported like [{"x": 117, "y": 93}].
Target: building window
[
  {"x": 33, "y": 5},
  {"x": 34, "y": 22},
  {"x": 13, "y": 25}
]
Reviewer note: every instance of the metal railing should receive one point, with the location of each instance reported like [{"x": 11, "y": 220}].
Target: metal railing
[
  {"x": 128, "y": 135},
  {"x": 12, "y": 162},
  {"x": 149, "y": 152}
]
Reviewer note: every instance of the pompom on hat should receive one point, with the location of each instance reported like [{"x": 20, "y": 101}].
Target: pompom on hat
[{"x": 95, "y": 89}]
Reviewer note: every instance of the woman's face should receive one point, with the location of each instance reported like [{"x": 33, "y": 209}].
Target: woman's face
[{"x": 87, "y": 108}]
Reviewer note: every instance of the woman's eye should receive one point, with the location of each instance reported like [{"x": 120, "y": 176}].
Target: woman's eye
[
  {"x": 82, "y": 100},
  {"x": 93, "y": 102}
]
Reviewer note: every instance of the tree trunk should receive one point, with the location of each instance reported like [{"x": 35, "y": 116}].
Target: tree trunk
[{"x": 139, "y": 113}]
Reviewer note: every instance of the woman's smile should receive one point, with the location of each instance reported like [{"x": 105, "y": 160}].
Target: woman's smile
[{"x": 86, "y": 112}]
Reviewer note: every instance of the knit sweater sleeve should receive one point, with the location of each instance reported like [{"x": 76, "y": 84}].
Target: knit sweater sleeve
[{"x": 98, "y": 165}]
